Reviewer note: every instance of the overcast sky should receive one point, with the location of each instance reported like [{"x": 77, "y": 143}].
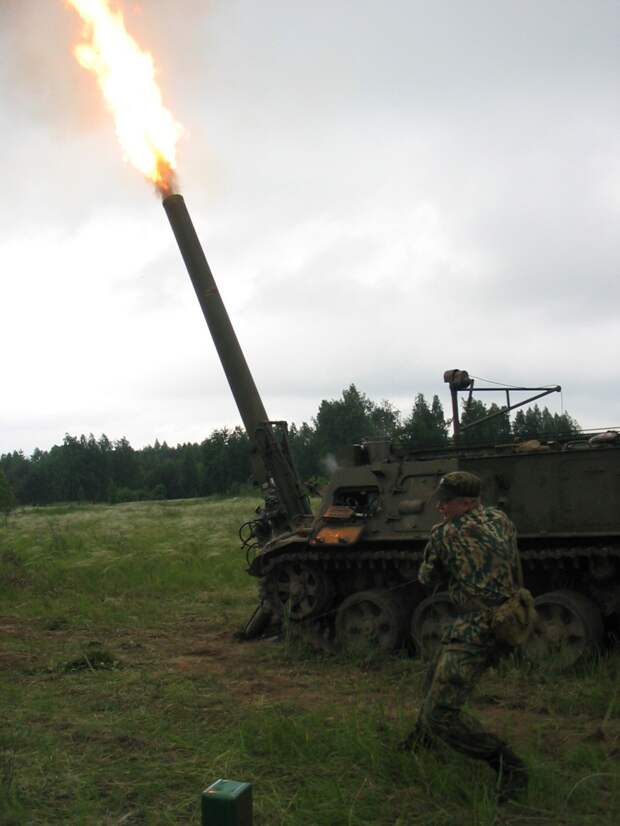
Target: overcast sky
[{"x": 384, "y": 190}]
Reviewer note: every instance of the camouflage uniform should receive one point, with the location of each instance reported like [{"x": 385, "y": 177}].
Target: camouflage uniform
[{"x": 477, "y": 553}]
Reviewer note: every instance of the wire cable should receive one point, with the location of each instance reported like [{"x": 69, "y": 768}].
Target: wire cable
[
  {"x": 490, "y": 381},
  {"x": 501, "y": 383}
]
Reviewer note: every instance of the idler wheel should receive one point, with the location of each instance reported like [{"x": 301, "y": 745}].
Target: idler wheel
[
  {"x": 370, "y": 621},
  {"x": 298, "y": 591},
  {"x": 570, "y": 626},
  {"x": 429, "y": 621}
]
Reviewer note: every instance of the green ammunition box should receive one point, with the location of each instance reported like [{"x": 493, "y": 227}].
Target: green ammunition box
[{"x": 227, "y": 803}]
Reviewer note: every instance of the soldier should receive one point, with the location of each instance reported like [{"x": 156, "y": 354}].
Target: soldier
[{"x": 475, "y": 549}]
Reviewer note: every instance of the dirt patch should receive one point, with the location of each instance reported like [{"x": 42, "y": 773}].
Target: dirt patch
[
  {"x": 257, "y": 673},
  {"x": 249, "y": 674},
  {"x": 15, "y": 661}
]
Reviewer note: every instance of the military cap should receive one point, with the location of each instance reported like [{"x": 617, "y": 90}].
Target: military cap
[{"x": 456, "y": 484}]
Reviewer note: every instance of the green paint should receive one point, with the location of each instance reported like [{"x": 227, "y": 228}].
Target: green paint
[{"x": 227, "y": 803}]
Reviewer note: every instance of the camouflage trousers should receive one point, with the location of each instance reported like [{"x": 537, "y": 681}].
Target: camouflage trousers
[{"x": 449, "y": 684}]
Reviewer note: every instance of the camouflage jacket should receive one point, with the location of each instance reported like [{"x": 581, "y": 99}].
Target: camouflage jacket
[{"x": 477, "y": 554}]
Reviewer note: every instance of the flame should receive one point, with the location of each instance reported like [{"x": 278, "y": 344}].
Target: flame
[{"x": 147, "y": 131}]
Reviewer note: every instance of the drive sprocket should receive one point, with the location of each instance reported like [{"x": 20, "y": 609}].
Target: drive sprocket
[{"x": 298, "y": 590}]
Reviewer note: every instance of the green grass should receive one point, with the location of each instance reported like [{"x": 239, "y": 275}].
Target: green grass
[
  {"x": 123, "y": 694},
  {"x": 92, "y": 563}
]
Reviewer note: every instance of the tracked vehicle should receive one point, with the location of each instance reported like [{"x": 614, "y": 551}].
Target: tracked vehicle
[
  {"x": 350, "y": 573},
  {"x": 347, "y": 574}
]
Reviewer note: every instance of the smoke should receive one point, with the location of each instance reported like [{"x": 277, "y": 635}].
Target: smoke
[
  {"x": 330, "y": 464},
  {"x": 37, "y": 74}
]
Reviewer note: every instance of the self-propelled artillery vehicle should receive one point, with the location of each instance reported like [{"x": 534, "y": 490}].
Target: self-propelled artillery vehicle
[{"x": 347, "y": 574}]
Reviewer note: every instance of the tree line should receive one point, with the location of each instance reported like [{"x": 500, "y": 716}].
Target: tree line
[{"x": 86, "y": 469}]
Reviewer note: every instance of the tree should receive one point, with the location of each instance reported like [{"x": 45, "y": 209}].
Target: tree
[
  {"x": 425, "y": 426},
  {"x": 225, "y": 461},
  {"x": 7, "y": 497},
  {"x": 189, "y": 472},
  {"x": 350, "y": 420},
  {"x": 17, "y": 470},
  {"x": 494, "y": 431},
  {"x": 38, "y": 486},
  {"x": 302, "y": 442},
  {"x": 385, "y": 419},
  {"x": 88, "y": 469},
  {"x": 534, "y": 423},
  {"x": 564, "y": 425},
  {"x": 125, "y": 465}
]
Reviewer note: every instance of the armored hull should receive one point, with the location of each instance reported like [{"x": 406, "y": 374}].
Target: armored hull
[{"x": 349, "y": 574}]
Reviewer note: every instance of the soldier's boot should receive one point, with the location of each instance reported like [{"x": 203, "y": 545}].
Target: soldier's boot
[{"x": 511, "y": 773}]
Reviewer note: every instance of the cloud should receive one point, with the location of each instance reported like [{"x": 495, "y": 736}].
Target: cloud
[{"x": 383, "y": 192}]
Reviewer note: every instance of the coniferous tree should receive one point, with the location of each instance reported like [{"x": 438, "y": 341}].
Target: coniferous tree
[
  {"x": 564, "y": 425},
  {"x": 425, "y": 426},
  {"x": 189, "y": 472},
  {"x": 17, "y": 469},
  {"x": 83, "y": 468},
  {"x": 534, "y": 423},
  {"x": 302, "y": 442},
  {"x": 7, "y": 497},
  {"x": 125, "y": 466},
  {"x": 385, "y": 420},
  {"x": 493, "y": 431},
  {"x": 344, "y": 421}
]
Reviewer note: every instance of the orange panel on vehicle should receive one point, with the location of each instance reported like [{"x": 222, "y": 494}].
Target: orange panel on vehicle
[
  {"x": 338, "y": 512},
  {"x": 346, "y": 535}
]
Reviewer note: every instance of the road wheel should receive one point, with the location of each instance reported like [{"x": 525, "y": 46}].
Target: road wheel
[
  {"x": 570, "y": 626},
  {"x": 428, "y": 623},
  {"x": 298, "y": 590},
  {"x": 370, "y": 621}
]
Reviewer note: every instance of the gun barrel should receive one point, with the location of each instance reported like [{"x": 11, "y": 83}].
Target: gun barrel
[
  {"x": 233, "y": 361},
  {"x": 271, "y": 460}
]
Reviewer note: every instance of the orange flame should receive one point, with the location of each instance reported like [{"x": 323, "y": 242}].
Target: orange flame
[{"x": 147, "y": 131}]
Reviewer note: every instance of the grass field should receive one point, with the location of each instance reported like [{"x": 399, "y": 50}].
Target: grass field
[{"x": 123, "y": 694}]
